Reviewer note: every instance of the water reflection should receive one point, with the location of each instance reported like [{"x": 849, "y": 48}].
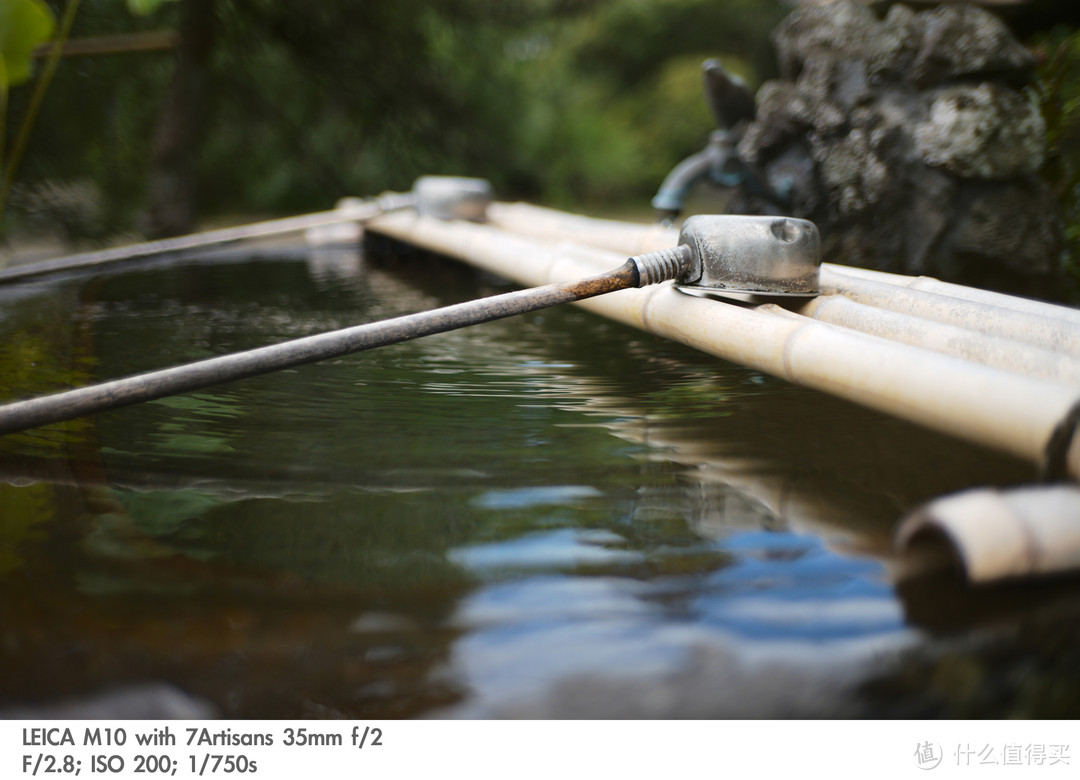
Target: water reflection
[
  {"x": 615, "y": 647},
  {"x": 545, "y": 516},
  {"x": 562, "y": 548},
  {"x": 333, "y": 265}
]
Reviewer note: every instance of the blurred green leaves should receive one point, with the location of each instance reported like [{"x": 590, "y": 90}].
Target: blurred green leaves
[
  {"x": 570, "y": 102},
  {"x": 1058, "y": 52},
  {"x": 11, "y": 161},
  {"x": 24, "y": 24},
  {"x": 144, "y": 7}
]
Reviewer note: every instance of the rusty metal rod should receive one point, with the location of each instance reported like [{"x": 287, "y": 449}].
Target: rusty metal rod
[
  {"x": 86, "y": 260},
  {"x": 445, "y": 197},
  {"x": 227, "y": 368}
]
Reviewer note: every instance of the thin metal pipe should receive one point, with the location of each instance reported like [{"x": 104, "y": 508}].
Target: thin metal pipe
[
  {"x": 227, "y": 368},
  {"x": 83, "y": 260}
]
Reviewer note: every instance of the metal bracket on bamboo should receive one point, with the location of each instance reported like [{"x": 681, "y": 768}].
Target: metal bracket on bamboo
[{"x": 1002, "y": 406}]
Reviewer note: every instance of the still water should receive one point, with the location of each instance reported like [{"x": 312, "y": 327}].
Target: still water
[{"x": 549, "y": 516}]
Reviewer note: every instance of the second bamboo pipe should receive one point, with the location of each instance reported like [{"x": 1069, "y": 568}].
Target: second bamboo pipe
[{"x": 1025, "y": 416}]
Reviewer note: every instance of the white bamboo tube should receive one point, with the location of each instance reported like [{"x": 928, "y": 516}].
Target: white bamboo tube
[
  {"x": 552, "y": 224},
  {"x": 1003, "y": 534},
  {"x": 1038, "y": 330},
  {"x": 931, "y": 285},
  {"x": 998, "y": 409},
  {"x": 995, "y": 351},
  {"x": 1045, "y": 325}
]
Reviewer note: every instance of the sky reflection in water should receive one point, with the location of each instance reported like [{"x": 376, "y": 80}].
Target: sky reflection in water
[{"x": 545, "y": 516}]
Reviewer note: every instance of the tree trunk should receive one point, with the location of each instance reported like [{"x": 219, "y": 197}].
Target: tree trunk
[{"x": 170, "y": 208}]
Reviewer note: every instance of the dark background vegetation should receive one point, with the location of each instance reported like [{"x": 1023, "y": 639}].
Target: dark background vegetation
[
  {"x": 567, "y": 101},
  {"x": 291, "y": 104}
]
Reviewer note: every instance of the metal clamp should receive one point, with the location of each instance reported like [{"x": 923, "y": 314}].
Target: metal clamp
[
  {"x": 766, "y": 256},
  {"x": 452, "y": 197}
]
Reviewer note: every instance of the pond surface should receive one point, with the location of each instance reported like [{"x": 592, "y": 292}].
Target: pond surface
[{"x": 549, "y": 516}]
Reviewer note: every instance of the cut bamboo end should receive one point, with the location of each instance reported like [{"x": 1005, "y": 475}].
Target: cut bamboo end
[{"x": 999, "y": 535}]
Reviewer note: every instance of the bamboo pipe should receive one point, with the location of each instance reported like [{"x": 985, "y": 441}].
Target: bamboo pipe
[
  {"x": 552, "y": 224},
  {"x": 977, "y": 295},
  {"x": 1001, "y": 534},
  {"x": 1038, "y": 330},
  {"x": 998, "y": 409},
  {"x": 629, "y": 237},
  {"x": 995, "y": 351}
]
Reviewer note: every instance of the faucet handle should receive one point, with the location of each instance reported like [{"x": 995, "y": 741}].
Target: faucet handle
[{"x": 729, "y": 99}]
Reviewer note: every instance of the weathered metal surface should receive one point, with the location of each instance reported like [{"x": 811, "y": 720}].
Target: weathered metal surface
[
  {"x": 760, "y": 255},
  {"x": 453, "y": 197}
]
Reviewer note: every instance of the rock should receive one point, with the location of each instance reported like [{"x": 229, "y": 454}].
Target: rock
[
  {"x": 962, "y": 41},
  {"x": 911, "y": 142},
  {"x": 983, "y": 132},
  {"x": 1000, "y": 220},
  {"x": 854, "y": 176}
]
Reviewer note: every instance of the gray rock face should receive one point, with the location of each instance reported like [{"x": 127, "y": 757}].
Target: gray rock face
[
  {"x": 913, "y": 144},
  {"x": 983, "y": 132}
]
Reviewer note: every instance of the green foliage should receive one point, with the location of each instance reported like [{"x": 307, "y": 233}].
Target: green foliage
[
  {"x": 615, "y": 96},
  {"x": 571, "y": 102},
  {"x": 629, "y": 41},
  {"x": 89, "y": 152},
  {"x": 144, "y": 7},
  {"x": 23, "y": 25},
  {"x": 1059, "y": 98},
  {"x": 11, "y": 161}
]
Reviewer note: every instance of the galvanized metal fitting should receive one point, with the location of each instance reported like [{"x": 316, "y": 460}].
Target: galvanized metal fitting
[
  {"x": 767, "y": 256},
  {"x": 452, "y": 197},
  {"x": 773, "y": 256},
  {"x": 387, "y": 202},
  {"x": 663, "y": 265}
]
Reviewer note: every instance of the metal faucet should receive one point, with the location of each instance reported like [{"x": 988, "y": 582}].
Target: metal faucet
[{"x": 732, "y": 106}]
